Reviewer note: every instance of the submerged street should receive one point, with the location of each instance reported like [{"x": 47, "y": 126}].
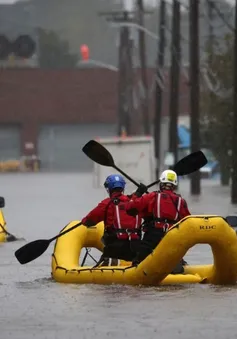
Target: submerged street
[{"x": 33, "y": 306}]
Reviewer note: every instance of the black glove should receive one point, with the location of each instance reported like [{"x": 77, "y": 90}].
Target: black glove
[
  {"x": 141, "y": 190},
  {"x": 132, "y": 211}
]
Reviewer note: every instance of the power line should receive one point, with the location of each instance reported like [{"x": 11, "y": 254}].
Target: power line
[
  {"x": 221, "y": 15},
  {"x": 227, "y": 17}
]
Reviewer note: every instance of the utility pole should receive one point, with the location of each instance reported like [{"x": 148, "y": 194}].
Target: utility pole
[
  {"x": 194, "y": 88},
  {"x": 175, "y": 81},
  {"x": 125, "y": 79},
  {"x": 130, "y": 82},
  {"x": 234, "y": 123},
  {"x": 142, "y": 54},
  {"x": 159, "y": 85},
  {"x": 210, "y": 12},
  {"x": 123, "y": 114},
  {"x": 210, "y": 7}
]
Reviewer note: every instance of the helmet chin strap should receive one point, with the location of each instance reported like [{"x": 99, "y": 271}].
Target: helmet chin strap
[{"x": 111, "y": 192}]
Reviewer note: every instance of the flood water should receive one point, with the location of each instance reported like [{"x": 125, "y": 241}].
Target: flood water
[{"x": 34, "y": 306}]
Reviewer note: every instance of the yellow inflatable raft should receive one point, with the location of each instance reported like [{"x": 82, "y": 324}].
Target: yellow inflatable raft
[
  {"x": 3, "y": 235},
  {"x": 155, "y": 269}
]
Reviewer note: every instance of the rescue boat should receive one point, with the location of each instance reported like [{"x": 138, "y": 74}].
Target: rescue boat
[
  {"x": 155, "y": 269},
  {"x": 3, "y": 228}
]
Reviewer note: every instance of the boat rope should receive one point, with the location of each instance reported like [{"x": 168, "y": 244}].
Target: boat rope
[{"x": 86, "y": 255}]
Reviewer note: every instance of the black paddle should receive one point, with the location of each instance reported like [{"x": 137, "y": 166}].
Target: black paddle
[
  {"x": 34, "y": 249},
  {"x": 187, "y": 165},
  {"x": 231, "y": 220}
]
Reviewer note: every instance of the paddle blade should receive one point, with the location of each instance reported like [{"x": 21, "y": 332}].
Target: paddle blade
[
  {"x": 11, "y": 237},
  {"x": 31, "y": 251},
  {"x": 232, "y": 220},
  {"x": 191, "y": 163},
  {"x": 98, "y": 153}
]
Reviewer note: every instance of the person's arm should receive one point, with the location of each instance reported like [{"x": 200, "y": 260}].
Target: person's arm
[
  {"x": 139, "y": 192},
  {"x": 96, "y": 215},
  {"x": 139, "y": 205},
  {"x": 184, "y": 211}
]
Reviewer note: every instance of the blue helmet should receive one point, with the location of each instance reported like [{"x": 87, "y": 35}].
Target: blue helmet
[{"x": 114, "y": 181}]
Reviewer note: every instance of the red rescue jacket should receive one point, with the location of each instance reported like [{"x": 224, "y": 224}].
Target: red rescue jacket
[
  {"x": 166, "y": 207},
  {"x": 116, "y": 220}
]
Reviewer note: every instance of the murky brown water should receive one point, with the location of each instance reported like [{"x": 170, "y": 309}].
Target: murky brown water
[{"x": 33, "y": 306}]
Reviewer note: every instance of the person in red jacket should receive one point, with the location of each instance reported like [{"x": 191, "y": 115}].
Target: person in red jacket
[
  {"x": 122, "y": 232},
  {"x": 164, "y": 208}
]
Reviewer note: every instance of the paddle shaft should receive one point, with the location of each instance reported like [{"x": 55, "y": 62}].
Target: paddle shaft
[
  {"x": 126, "y": 175},
  {"x": 64, "y": 232}
]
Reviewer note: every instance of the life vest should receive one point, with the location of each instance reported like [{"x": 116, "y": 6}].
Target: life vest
[
  {"x": 166, "y": 209},
  {"x": 124, "y": 225}
]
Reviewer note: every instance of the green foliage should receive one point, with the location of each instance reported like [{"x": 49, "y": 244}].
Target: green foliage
[{"x": 54, "y": 52}]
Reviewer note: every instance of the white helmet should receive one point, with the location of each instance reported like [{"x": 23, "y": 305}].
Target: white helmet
[{"x": 169, "y": 177}]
